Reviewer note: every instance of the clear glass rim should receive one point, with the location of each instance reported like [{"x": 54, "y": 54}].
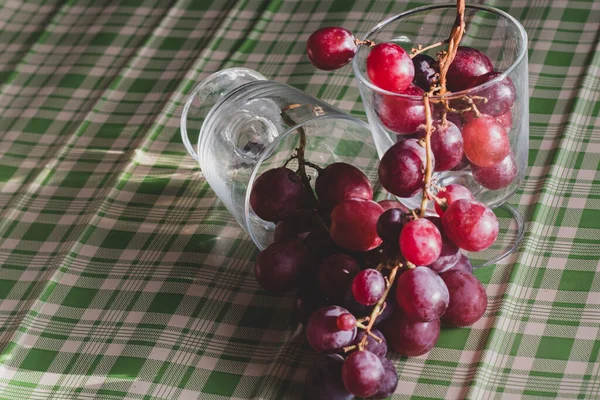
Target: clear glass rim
[
  {"x": 522, "y": 51},
  {"x": 292, "y": 130}
]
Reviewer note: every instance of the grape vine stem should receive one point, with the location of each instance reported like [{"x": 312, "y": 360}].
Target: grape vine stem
[{"x": 420, "y": 49}]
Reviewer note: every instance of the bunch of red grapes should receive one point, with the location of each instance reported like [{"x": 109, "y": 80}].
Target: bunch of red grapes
[{"x": 345, "y": 253}]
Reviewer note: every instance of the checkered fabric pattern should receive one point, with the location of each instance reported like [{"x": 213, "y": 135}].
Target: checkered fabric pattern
[{"x": 123, "y": 276}]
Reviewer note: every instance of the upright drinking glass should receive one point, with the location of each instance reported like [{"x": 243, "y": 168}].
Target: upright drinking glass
[
  {"x": 503, "y": 39},
  {"x": 247, "y": 124}
]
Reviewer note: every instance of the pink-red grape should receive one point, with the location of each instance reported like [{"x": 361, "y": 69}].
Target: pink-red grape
[
  {"x": 468, "y": 299},
  {"x": 400, "y": 114},
  {"x": 346, "y": 322},
  {"x": 335, "y": 275},
  {"x": 470, "y": 225},
  {"x": 420, "y": 242},
  {"x": 361, "y": 373},
  {"x": 368, "y": 286},
  {"x": 422, "y": 294},
  {"x": 425, "y": 69},
  {"x": 277, "y": 267},
  {"x": 453, "y": 192},
  {"x": 498, "y": 176},
  {"x": 277, "y": 193},
  {"x": 341, "y": 181},
  {"x": 410, "y": 338},
  {"x": 468, "y": 64},
  {"x": 322, "y": 331},
  {"x": 354, "y": 224},
  {"x": 500, "y": 96},
  {"x": 330, "y": 48},
  {"x": 485, "y": 141},
  {"x": 389, "y": 67},
  {"x": 446, "y": 145}
]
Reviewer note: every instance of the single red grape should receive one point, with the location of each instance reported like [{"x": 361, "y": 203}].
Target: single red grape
[
  {"x": 485, "y": 141},
  {"x": 410, "y": 338},
  {"x": 341, "y": 181},
  {"x": 354, "y": 224},
  {"x": 498, "y": 176},
  {"x": 468, "y": 299},
  {"x": 362, "y": 373},
  {"x": 389, "y": 67},
  {"x": 420, "y": 242},
  {"x": 500, "y": 96},
  {"x": 368, "y": 286},
  {"x": 422, "y": 294},
  {"x": 453, "y": 192},
  {"x": 322, "y": 331},
  {"x": 446, "y": 145},
  {"x": 335, "y": 275},
  {"x": 277, "y": 267},
  {"x": 425, "y": 69},
  {"x": 330, "y": 48},
  {"x": 402, "y": 115},
  {"x": 470, "y": 225},
  {"x": 469, "y": 63},
  {"x": 346, "y": 322},
  {"x": 401, "y": 169},
  {"x": 277, "y": 193}
]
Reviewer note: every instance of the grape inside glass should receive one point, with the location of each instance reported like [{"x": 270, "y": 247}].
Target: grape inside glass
[{"x": 394, "y": 116}]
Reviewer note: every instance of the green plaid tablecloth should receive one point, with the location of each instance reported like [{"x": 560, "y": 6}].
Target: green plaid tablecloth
[{"x": 123, "y": 276}]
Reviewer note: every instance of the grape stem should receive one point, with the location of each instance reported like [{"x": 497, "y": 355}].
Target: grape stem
[
  {"x": 428, "y": 165},
  {"x": 420, "y": 49},
  {"x": 378, "y": 307}
]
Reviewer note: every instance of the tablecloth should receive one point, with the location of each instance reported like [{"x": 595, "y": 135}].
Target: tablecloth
[{"x": 123, "y": 276}]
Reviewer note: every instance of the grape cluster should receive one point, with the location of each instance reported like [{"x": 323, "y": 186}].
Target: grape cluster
[{"x": 376, "y": 275}]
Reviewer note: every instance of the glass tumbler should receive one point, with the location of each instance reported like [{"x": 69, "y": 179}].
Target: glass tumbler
[
  {"x": 504, "y": 41},
  {"x": 245, "y": 124}
]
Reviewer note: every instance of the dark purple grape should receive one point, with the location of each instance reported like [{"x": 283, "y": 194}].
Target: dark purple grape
[
  {"x": 330, "y": 48},
  {"x": 389, "y": 225},
  {"x": 324, "y": 379},
  {"x": 468, "y": 64},
  {"x": 425, "y": 69},
  {"x": 422, "y": 294},
  {"x": 322, "y": 331},
  {"x": 295, "y": 226},
  {"x": 468, "y": 299},
  {"x": 354, "y": 224},
  {"x": 498, "y": 176},
  {"x": 341, "y": 181},
  {"x": 368, "y": 286},
  {"x": 335, "y": 275},
  {"x": 463, "y": 264},
  {"x": 309, "y": 298},
  {"x": 409, "y": 338},
  {"x": 277, "y": 267},
  {"x": 388, "y": 383},
  {"x": 277, "y": 193},
  {"x": 362, "y": 373},
  {"x": 375, "y": 347},
  {"x": 501, "y": 95},
  {"x": 448, "y": 257},
  {"x": 401, "y": 170}
]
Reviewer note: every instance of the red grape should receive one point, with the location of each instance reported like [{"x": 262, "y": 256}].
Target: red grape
[
  {"x": 361, "y": 373},
  {"x": 330, "y": 48},
  {"x": 501, "y": 95},
  {"x": 388, "y": 383},
  {"x": 368, "y": 286},
  {"x": 422, "y": 294},
  {"x": 463, "y": 264},
  {"x": 341, "y": 181},
  {"x": 401, "y": 169},
  {"x": 485, "y": 141},
  {"x": 322, "y": 331},
  {"x": 277, "y": 267},
  {"x": 470, "y": 225},
  {"x": 498, "y": 176},
  {"x": 425, "y": 69},
  {"x": 375, "y": 347},
  {"x": 389, "y": 225},
  {"x": 410, "y": 338},
  {"x": 401, "y": 114},
  {"x": 335, "y": 275},
  {"x": 468, "y": 64},
  {"x": 297, "y": 225},
  {"x": 389, "y": 67},
  {"x": 277, "y": 193},
  {"x": 346, "y": 322},
  {"x": 446, "y": 145},
  {"x": 389, "y": 204},
  {"x": 324, "y": 379},
  {"x": 354, "y": 224},
  {"x": 449, "y": 254},
  {"x": 420, "y": 242},
  {"x": 453, "y": 192},
  {"x": 468, "y": 299}
]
